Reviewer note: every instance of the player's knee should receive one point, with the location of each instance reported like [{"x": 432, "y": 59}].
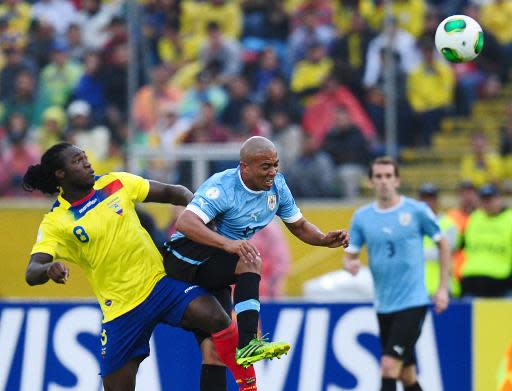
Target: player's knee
[
  {"x": 249, "y": 267},
  {"x": 390, "y": 367},
  {"x": 408, "y": 375},
  {"x": 219, "y": 321}
]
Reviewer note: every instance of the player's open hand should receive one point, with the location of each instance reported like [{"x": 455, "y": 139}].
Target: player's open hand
[
  {"x": 58, "y": 272},
  {"x": 336, "y": 239},
  {"x": 441, "y": 300},
  {"x": 244, "y": 249}
]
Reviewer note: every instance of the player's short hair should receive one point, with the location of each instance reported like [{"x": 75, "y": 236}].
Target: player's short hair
[{"x": 383, "y": 160}]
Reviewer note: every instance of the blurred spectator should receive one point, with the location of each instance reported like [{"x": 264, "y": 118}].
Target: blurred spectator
[
  {"x": 93, "y": 139},
  {"x": 323, "y": 9},
  {"x": 17, "y": 14},
  {"x": 20, "y": 154},
  {"x": 40, "y": 43},
  {"x": 288, "y": 138},
  {"x": 170, "y": 127},
  {"x": 430, "y": 88},
  {"x": 487, "y": 271},
  {"x": 320, "y": 112},
  {"x": 467, "y": 202},
  {"x": 350, "y": 152},
  {"x": 220, "y": 55},
  {"x": 118, "y": 36},
  {"x": 94, "y": 18},
  {"x": 402, "y": 43},
  {"x": 91, "y": 86},
  {"x": 58, "y": 79},
  {"x": 275, "y": 254},
  {"x": 429, "y": 194},
  {"x": 58, "y": 13},
  {"x": 496, "y": 17},
  {"x": 253, "y": 124},
  {"x": 77, "y": 48},
  {"x": 53, "y": 127},
  {"x": 116, "y": 82},
  {"x": 171, "y": 48},
  {"x": 23, "y": 99},
  {"x": 481, "y": 165},
  {"x": 204, "y": 90},
  {"x": 310, "y": 32},
  {"x": 4, "y": 175},
  {"x": 238, "y": 91},
  {"x": 349, "y": 52},
  {"x": 151, "y": 98},
  {"x": 206, "y": 129},
  {"x": 195, "y": 17},
  {"x": 15, "y": 63},
  {"x": 312, "y": 175},
  {"x": 309, "y": 74},
  {"x": 279, "y": 98},
  {"x": 409, "y": 15},
  {"x": 261, "y": 72}
]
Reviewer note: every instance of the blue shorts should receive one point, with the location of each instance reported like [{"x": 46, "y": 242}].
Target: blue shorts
[{"x": 127, "y": 336}]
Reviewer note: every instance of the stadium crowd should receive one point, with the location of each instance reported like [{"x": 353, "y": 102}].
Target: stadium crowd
[{"x": 309, "y": 74}]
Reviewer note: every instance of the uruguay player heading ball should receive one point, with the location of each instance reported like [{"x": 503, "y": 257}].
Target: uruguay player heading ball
[{"x": 241, "y": 201}]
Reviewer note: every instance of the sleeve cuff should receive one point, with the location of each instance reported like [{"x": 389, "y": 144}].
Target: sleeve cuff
[
  {"x": 293, "y": 219},
  {"x": 437, "y": 237},
  {"x": 196, "y": 210}
]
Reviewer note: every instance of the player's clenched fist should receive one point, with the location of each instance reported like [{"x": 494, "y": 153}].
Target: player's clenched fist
[{"x": 58, "y": 272}]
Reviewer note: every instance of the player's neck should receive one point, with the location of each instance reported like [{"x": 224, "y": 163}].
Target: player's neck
[
  {"x": 386, "y": 203},
  {"x": 74, "y": 195}
]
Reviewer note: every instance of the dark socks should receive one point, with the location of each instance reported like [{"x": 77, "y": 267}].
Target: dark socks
[
  {"x": 247, "y": 306},
  {"x": 388, "y": 384},
  {"x": 415, "y": 387},
  {"x": 213, "y": 378}
]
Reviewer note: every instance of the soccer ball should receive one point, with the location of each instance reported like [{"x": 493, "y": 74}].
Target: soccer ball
[{"x": 459, "y": 38}]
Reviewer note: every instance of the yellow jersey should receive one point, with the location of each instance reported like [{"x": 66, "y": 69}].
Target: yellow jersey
[{"x": 102, "y": 234}]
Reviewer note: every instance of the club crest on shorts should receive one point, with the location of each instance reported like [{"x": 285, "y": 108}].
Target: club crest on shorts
[
  {"x": 272, "y": 201},
  {"x": 405, "y": 218}
]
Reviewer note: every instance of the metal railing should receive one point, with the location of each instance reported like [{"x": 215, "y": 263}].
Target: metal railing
[{"x": 200, "y": 155}]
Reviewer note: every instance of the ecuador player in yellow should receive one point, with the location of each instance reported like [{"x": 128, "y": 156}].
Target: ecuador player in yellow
[{"x": 93, "y": 224}]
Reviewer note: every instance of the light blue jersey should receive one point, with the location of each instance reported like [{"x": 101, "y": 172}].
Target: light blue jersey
[
  {"x": 394, "y": 238},
  {"x": 238, "y": 211}
]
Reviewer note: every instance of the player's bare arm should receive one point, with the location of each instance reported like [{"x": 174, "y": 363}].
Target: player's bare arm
[
  {"x": 168, "y": 194},
  {"x": 194, "y": 228},
  {"x": 41, "y": 268},
  {"x": 351, "y": 263},
  {"x": 441, "y": 297},
  {"x": 311, "y": 234}
]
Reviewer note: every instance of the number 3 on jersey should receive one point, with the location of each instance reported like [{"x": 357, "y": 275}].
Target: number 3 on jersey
[
  {"x": 80, "y": 234},
  {"x": 390, "y": 248}
]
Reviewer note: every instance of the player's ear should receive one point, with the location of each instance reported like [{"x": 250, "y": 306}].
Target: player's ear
[{"x": 60, "y": 174}]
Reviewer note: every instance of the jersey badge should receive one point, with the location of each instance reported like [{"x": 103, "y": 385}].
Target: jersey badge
[
  {"x": 405, "y": 219},
  {"x": 272, "y": 201},
  {"x": 213, "y": 193}
]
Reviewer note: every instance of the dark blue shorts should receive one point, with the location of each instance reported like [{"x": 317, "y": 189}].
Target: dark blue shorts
[{"x": 127, "y": 336}]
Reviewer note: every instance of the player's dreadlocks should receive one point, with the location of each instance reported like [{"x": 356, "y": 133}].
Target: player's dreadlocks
[{"x": 42, "y": 176}]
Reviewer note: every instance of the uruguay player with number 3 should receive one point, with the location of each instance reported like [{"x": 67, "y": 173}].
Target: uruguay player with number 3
[{"x": 393, "y": 228}]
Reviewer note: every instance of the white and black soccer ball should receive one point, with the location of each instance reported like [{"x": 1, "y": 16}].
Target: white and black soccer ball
[{"x": 459, "y": 38}]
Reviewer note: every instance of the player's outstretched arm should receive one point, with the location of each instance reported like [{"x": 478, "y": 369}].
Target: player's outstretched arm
[
  {"x": 41, "y": 268},
  {"x": 441, "y": 297},
  {"x": 311, "y": 234},
  {"x": 168, "y": 194}
]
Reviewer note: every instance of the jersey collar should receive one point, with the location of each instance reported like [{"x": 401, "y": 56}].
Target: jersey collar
[
  {"x": 388, "y": 210},
  {"x": 245, "y": 187}
]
